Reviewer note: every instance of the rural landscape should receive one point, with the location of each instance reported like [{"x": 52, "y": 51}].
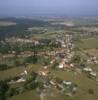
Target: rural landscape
[
  {"x": 48, "y": 50},
  {"x": 49, "y": 59}
]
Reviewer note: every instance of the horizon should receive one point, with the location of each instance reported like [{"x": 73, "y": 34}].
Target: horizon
[{"x": 48, "y": 8}]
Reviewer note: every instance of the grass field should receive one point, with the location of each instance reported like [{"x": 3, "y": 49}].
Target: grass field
[
  {"x": 89, "y": 43},
  {"x": 31, "y": 95},
  {"x": 52, "y": 33},
  {"x": 93, "y": 52},
  {"x": 83, "y": 82},
  {"x": 10, "y": 73}
]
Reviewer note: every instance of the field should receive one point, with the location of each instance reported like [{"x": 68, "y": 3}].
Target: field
[
  {"x": 32, "y": 95},
  {"x": 17, "y": 71},
  {"x": 84, "y": 83},
  {"x": 93, "y": 52},
  {"x": 44, "y": 30},
  {"x": 89, "y": 43},
  {"x": 89, "y": 46}
]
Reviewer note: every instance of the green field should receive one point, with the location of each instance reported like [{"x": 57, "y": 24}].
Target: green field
[
  {"x": 31, "y": 95},
  {"x": 10, "y": 73},
  {"x": 88, "y": 43},
  {"x": 93, "y": 52},
  {"x": 83, "y": 82}
]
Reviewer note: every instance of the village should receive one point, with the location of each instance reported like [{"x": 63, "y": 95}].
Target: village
[{"x": 62, "y": 57}]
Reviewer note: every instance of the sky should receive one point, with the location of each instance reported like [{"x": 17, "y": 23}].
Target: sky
[{"x": 52, "y": 7}]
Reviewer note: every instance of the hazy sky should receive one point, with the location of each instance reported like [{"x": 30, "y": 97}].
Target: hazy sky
[{"x": 65, "y": 7}]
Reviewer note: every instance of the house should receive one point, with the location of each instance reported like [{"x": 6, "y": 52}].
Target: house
[
  {"x": 61, "y": 66},
  {"x": 52, "y": 61},
  {"x": 17, "y": 79},
  {"x": 52, "y": 82},
  {"x": 60, "y": 87},
  {"x": 92, "y": 60},
  {"x": 66, "y": 66},
  {"x": 8, "y": 56},
  {"x": 94, "y": 74},
  {"x": 96, "y": 61},
  {"x": 45, "y": 67},
  {"x": 67, "y": 82},
  {"x": 66, "y": 60},
  {"x": 43, "y": 72},
  {"x": 87, "y": 69},
  {"x": 24, "y": 73},
  {"x": 71, "y": 65},
  {"x": 21, "y": 80}
]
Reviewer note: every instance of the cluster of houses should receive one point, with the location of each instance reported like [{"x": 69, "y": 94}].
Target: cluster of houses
[
  {"x": 21, "y": 40},
  {"x": 67, "y": 87},
  {"x": 20, "y": 78},
  {"x": 47, "y": 82},
  {"x": 91, "y": 72},
  {"x": 65, "y": 55},
  {"x": 92, "y": 60},
  {"x": 66, "y": 52},
  {"x": 65, "y": 65}
]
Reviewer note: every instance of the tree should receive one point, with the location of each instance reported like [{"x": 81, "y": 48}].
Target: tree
[
  {"x": 3, "y": 89},
  {"x": 30, "y": 82},
  {"x": 3, "y": 66},
  {"x": 55, "y": 64},
  {"x": 77, "y": 58},
  {"x": 11, "y": 92},
  {"x": 17, "y": 63},
  {"x": 91, "y": 91},
  {"x": 32, "y": 59}
]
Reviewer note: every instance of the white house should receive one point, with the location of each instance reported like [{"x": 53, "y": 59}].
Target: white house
[
  {"x": 93, "y": 74},
  {"x": 61, "y": 65},
  {"x": 87, "y": 69}
]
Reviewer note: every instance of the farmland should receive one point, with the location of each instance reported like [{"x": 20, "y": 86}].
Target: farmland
[{"x": 47, "y": 58}]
